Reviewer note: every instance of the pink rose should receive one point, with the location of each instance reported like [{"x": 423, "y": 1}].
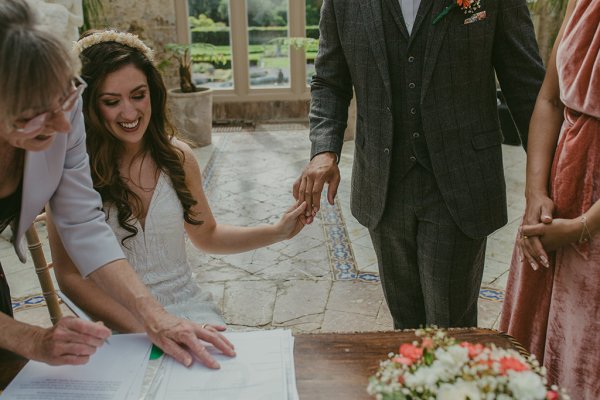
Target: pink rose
[
  {"x": 403, "y": 360},
  {"x": 411, "y": 351},
  {"x": 552, "y": 395},
  {"x": 510, "y": 363},
  {"x": 427, "y": 343},
  {"x": 474, "y": 349}
]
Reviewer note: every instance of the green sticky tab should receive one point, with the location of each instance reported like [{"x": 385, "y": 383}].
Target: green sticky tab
[{"x": 156, "y": 352}]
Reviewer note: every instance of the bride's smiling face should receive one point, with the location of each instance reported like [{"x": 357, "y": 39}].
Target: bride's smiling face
[{"x": 124, "y": 103}]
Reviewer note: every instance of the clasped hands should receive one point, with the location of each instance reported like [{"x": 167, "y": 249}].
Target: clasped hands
[{"x": 540, "y": 233}]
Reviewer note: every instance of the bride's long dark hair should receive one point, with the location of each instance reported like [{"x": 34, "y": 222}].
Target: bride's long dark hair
[{"x": 105, "y": 149}]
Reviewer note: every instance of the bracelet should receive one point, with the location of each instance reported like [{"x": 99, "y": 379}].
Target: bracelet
[{"x": 585, "y": 232}]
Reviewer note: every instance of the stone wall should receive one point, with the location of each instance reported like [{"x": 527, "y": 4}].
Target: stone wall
[
  {"x": 152, "y": 20},
  {"x": 261, "y": 110}
]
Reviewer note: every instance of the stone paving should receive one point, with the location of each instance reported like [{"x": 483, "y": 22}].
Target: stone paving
[{"x": 325, "y": 279}]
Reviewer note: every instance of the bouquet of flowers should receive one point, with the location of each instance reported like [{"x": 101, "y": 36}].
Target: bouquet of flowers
[{"x": 438, "y": 367}]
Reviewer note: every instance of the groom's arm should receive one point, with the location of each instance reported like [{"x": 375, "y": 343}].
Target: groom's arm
[
  {"x": 331, "y": 92},
  {"x": 517, "y": 62}
]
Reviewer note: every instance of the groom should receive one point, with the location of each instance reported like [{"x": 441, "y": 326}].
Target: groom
[{"x": 427, "y": 178}]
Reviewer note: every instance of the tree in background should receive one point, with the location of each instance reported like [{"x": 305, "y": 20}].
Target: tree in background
[
  {"x": 217, "y": 10},
  {"x": 313, "y": 11},
  {"x": 203, "y": 21},
  {"x": 267, "y": 12}
]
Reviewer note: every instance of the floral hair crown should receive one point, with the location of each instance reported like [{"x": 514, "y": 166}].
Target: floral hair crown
[{"x": 124, "y": 38}]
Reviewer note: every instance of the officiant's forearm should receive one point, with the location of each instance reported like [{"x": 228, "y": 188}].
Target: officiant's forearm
[
  {"x": 17, "y": 336},
  {"x": 120, "y": 281}
]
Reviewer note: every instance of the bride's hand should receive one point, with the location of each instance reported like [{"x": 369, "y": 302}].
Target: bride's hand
[{"x": 292, "y": 221}]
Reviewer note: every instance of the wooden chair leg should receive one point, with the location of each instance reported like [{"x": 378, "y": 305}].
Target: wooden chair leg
[{"x": 41, "y": 269}]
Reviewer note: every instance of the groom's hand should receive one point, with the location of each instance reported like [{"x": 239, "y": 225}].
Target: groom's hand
[{"x": 308, "y": 187}]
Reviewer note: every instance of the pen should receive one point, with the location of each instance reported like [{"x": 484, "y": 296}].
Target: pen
[{"x": 76, "y": 310}]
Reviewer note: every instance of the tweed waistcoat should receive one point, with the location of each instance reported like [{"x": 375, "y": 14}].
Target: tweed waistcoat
[{"x": 406, "y": 55}]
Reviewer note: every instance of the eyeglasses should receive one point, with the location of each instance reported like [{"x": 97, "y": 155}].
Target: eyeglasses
[{"x": 37, "y": 123}]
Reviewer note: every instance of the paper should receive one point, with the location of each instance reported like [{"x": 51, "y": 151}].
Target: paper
[
  {"x": 262, "y": 369},
  {"x": 114, "y": 372}
]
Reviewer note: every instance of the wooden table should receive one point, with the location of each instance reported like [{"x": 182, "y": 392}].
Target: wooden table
[
  {"x": 331, "y": 365},
  {"x": 337, "y": 366}
]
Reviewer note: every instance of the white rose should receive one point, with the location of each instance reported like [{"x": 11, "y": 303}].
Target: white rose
[
  {"x": 526, "y": 385},
  {"x": 424, "y": 376},
  {"x": 460, "y": 390},
  {"x": 449, "y": 362}
]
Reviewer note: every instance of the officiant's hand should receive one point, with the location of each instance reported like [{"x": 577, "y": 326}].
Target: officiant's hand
[
  {"x": 70, "y": 341},
  {"x": 184, "y": 340}
]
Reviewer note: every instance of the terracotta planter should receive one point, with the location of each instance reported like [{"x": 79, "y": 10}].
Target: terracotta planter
[{"x": 192, "y": 114}]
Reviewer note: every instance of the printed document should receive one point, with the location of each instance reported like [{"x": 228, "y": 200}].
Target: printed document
[
  {"x": 262, "y": 369},
  {"x": 113, "y": 373}
]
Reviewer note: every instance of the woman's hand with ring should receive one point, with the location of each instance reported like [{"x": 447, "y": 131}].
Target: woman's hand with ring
[
  {"x": 529, "y": 249},
  {"x": 538, "y": 209},
  {"x": 214, "y": 328}
]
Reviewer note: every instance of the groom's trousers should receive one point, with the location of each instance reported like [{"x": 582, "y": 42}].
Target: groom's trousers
[{"x": 430, "y": 270}]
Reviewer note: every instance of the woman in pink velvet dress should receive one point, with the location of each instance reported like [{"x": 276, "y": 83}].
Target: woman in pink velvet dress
[{"x": 552, "y": 302}]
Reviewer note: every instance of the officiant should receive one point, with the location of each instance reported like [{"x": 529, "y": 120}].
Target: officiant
[{"x": 43, "y": 162}]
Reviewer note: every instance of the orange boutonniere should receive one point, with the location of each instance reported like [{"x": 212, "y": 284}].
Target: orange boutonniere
[{"x": 467, "y": 6}]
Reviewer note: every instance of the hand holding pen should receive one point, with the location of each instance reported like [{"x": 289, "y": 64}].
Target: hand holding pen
[{"x": 70, "y": 341}]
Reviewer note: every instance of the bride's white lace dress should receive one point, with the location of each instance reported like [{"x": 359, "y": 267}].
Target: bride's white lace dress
[{"x": 158, "y": 255}]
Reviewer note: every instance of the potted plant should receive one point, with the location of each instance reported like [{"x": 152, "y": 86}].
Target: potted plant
[{"x": 190, "y": 105}]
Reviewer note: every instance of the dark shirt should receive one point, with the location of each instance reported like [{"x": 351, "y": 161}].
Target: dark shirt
[{"x": 9, "y": 210}]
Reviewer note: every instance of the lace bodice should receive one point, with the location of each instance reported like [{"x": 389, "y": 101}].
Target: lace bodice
[{"x": 158, "y": 255}]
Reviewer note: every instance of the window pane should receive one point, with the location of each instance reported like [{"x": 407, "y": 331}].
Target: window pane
[
  {"x": 211, "y": 43},
  {"x": 313, "y": 9},
  {"x": 268, "y": 50}
]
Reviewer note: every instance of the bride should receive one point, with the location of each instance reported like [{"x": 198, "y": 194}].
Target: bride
[{"x": 151, "y": 187}]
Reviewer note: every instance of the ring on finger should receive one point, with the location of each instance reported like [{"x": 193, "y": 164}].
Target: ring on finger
[
  {"x": 204, "y": 326},
  {"x": 525, "y": 237}
]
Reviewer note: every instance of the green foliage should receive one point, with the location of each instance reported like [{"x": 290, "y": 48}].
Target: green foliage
[
  {"x": 203, "y": 22},
  {"x": 260, "y": 12},
  {"x": 267, "y": 12},
  {"x": 548, "y": 6},
  {"x": 185, "y": 56},
  {"x": 196, "y": 52},
  {"x": 313, "y": 8},
  {"x": 297, "y": 42},
  {"x": 92, "y": 14},
  {"x": 394, "y": 396},
  {"x": 217, "y": 10}
]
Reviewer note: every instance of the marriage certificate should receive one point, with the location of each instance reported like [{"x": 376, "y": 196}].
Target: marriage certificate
[
  {"x": 263, "y": 368},
  {"x": 113, "y": 373}
]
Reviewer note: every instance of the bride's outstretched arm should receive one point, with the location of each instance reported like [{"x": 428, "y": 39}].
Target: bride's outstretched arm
[{"x": 227, "y": 239}]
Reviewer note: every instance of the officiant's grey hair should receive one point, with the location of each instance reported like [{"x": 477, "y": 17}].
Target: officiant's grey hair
[{"x": 36, "y": 68}]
